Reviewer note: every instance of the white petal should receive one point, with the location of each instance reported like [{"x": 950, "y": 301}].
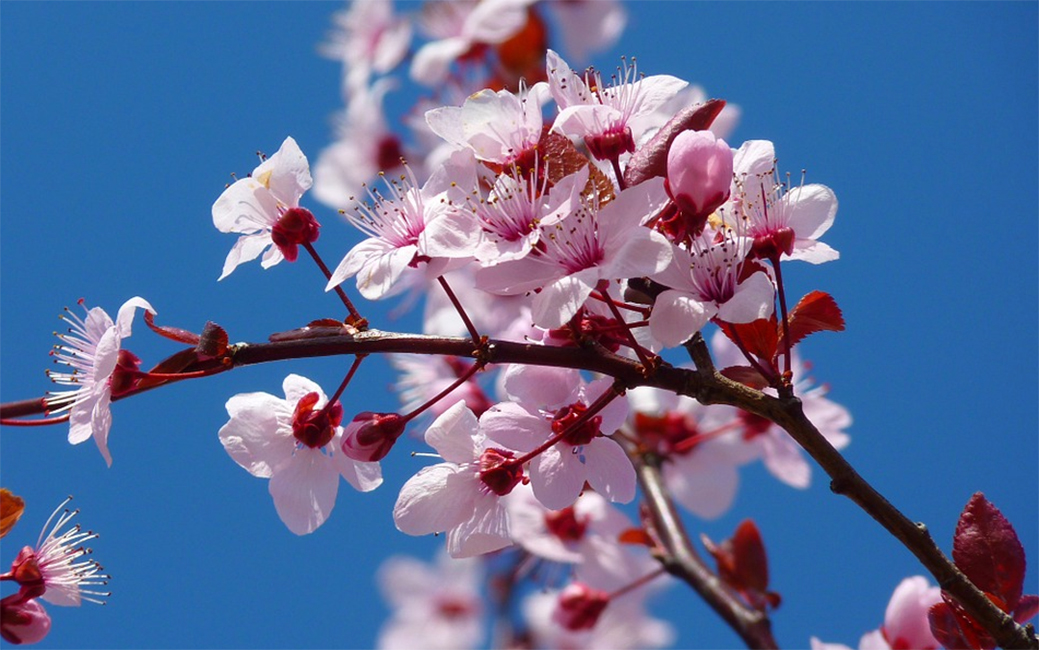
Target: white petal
[
  {"x": 254, "y": 437},
  {"x": 101, "y": 423},
  {"x": 609, "y": 470},
  {"x": 436, "y": 499},
  {"x": 557, "y": 476},
  {"x": 753, "y": 299},
  {"x": 245, "y": 207},
  {"x": 246, "y": 249},
  {"x": 677, "y": 316},
  {"x": 485, "y": 531},
  {"x": 813, "y": 252},
  {"x": 559, "y": 301},
  {"x": 124, "y": 320},
  {"x": 514, "y": 427},
  {"x": 782, "y": 456},
  {"x": 304, "y": 490},
  {"x": 452, "y": 434},
  {"x": 541, "y": 386},
  {"x": 296, "y": 387},
  {"x": 702, "y": 482},
  {"x": 364, "y": 477},
  {"x": 286, "y": 174},
  {"x": 810, "y": 210}
]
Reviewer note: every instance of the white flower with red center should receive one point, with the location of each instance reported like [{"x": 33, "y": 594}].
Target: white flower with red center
[
  {"x": 458, "y": 26},
  {"x": 295, "y": 442},
  {"x": 592, "y": 245},
  {"x": 701, "y": 445},
  {"x": 463, "y": 494},
  {"x": 435, "y": 606},
  {"x": 515, "y": 208},
  {"x": 551, "y": 402},
  {"x": 499, "y": 127},
  {"x": 623, "y": 625},
  {"x": 364, "y": 146},
  {"x": 779, "y": 452},
  {"x": 604, "y": 115},
  {"x": 55, "y": 570},
  {"x": 92, "y": 348},
  {"x": 783, "y": 221},
  {"x": 411, "y": 229},
  {"x": 906, "y": 623},
  {"x": 708, "y": 282},
  {"x": 254, "y": 206}
]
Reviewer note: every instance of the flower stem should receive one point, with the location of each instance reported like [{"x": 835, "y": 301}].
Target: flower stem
[
  {"x": 355, "y": 317},
  {"x": 647, "y": 365},
  {"x": 593, "y": 410},
  {"x": 477, "y": 339},
  {"x": 464, "y": 377},
  {"x": 346, "y": 381},
  {"x": 786, "y": 390}
]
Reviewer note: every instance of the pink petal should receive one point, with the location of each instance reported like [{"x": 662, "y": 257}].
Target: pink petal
[
  {"x": 453, "y": 434},
  {"x": 436, "y": 499},
  {"x": 609, "y": 470},
  {"x": 257, "y": 436},
  {"x": 541, "y": 386},
  {"x": 753, "y": 299},
  {"x": 702, "y": 483},
  {"x": 513, "y": 426},
  {"x": 485, "y": 531},
  {"x": 559, "y": 301},
  {"x": 557, "y": 477},
  {"x": 304, "y": 490},
  {"x": 677, "y": 316}
]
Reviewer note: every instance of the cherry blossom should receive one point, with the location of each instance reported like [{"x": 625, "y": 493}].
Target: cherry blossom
[
  {"x": 706, "y": 283},
  {"x": 410, "y": 228},
  {"x": 296, "y": 445},
  {"x": 252, "y": 206},
  {"x": 625, "y": 625},
  {"x": 457, "y": 26},
  {"x": 596, "y": 244},
  {"x": 423, "y": 377},
  {"x": 905, "y": 620},
  {"x": 436, "y": 606},
  {"x": 699, "y": 174},
  {"x": 364, "y": 146},
  {"x": 545, "y": 403},
  {"x": 479, "y": 123},
  {"x": 368, "y": 38},
  {"x": 701, "y": 446},
  {"x": 55, "y": 569},
  {"x": 603, "y": 114},
  {"x": 588, "y": 26},
  {"x": 101, "y": 369},
  {"x": 463, "y": 494},
  {"x": 784, "y": 221},
  {"x": 783, "y": 457}
]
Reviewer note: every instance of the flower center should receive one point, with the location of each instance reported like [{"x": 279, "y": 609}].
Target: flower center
[
  {"x": 315, "y": 428},
  {"x": 565, "y": 419},
  {"x": 565, "y": 525},
  {"x": 497, "y": 472}
]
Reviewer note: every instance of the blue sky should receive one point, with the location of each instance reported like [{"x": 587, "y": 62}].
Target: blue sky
[{"x": 121, "y": 123}]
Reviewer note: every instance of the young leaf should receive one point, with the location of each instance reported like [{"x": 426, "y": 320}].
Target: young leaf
[
  {"x": 760, "y": 338},
  {"x": 816, "y": 312},
  {"x": 987, "y": 550},
  {"x": 650, "y": 159},
  {"x": 745, "y": 375},
  {"x": 11, "y": 508}
]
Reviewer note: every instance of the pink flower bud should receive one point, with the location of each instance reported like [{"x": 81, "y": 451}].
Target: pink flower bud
[
  {"x": 580, "y": 606},
  {"x": 699, "y": 175},
  {"x": 23, "y": 621},
  {"x": 370, "y": 436},
  {"x": 297, "y": 226}
]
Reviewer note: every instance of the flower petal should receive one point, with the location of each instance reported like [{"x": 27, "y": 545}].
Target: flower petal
[
  {"x": 436, "y": 499},
  {"x": 304, "y": 490}
]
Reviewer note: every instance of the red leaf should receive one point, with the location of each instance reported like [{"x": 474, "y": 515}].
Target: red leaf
[
  {"x": 636, "y": 536},
  {"x": 759, "y": 338},
  {"x": 213, "y": 341},
  {"x": 172, "y": 333},
  {"x": 952, "y": 630},
  {"x": 816, "y": 312},
  {"x": 1026, "y": 608},
  {"x": 746, "y": 376},
  {"x": 743, "y": 564},
  {"x": 987, "y": 550}
]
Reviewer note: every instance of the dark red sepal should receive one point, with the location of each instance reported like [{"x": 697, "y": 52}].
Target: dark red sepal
[
  {"x": 297, "y": 226},
  {"x": 172, "y": 333},
  {"x": 745, "y": 375}
]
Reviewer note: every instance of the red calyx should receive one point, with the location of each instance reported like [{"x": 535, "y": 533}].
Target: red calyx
[
  {"x": 370, "y": 436},
  {"x": 583, "y": 433},
  {"x": 127, "y": 373},
  {"x": 610, "y": 146},
  {"x": 297, "y": 226},
  {"x": 498, "y": 473},
  {"x": 315, "y": 428},
  {"x": 580, "y": 607},
  {"x": 565, "y": 525}
]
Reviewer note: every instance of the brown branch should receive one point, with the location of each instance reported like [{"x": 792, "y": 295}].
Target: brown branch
[
  {"x": 705, "y": 385},
  {"x": 679, "y": 558}
]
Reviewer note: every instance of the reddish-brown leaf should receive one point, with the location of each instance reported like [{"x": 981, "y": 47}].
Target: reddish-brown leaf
[
  {"x": 561, "y": 158},
  {"x": 743, "y": 564},
  {"x": 650, "y": 159},
  {"x": 213, "y": 341},
  {"x": 11, "y": 508},
  {"x": 816, "y": 312},
  {"x": 986, "y": 548},
  {"x": 172, "y": 333},
  {"x": 636, "y": 536},
  {"x": 759, "y": 338},
  {"x": 951, "y": 629}
]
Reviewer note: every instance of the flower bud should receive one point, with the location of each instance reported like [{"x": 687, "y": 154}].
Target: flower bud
[
  {"x": 297, "y": 226},
  {"x": 23, "y": 621},
  {"x": 699, "y": 176},
  {"x": 580, "y": 606},
  {"x": 370, "y": 436},
  {"x": 315, "y": 428}
]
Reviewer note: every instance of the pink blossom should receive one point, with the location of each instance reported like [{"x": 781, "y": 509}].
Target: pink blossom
[
  {"x": 625, "y": 626},
  {"x": 593, "y": 245},
  {"x": 23, "y": 621},
  {"x": 499, "y": 127},
  {"x": 699, "y": 173},
  {"x": 546, "y": 402},
  {"x": 588, "y": 26},
  {"x": 410, "y": 228},
  {"x": 368, "y": 38},
  {"x": 782, "y": 219},
  {"x": 55, "y": 569},
  {"x": 252, "y": 206},
  {"x": 423, "y": 377},
  {"x": 463, "y": 494},
  {"x": 435, "y": 605},
  {"x": 602, "y": 114},
  {"x": 296, "y": 444},
  {"x": 704, "y": 283},
  {"x": 457, "y": 26},
  {"x": 100, "y": 369}
]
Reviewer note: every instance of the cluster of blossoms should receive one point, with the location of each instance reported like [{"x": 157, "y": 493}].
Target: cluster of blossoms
[
  {"x": 55, "y": 571},
  {"x": 552, "y": 208}
]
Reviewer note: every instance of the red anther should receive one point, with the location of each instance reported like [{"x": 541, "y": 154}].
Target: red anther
[
  {"x": 370, "y": 436},
  {"x": 297, "y": 226},
  {"x": 315, "y": 428},
  {"x": 498, "y": 472}
]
